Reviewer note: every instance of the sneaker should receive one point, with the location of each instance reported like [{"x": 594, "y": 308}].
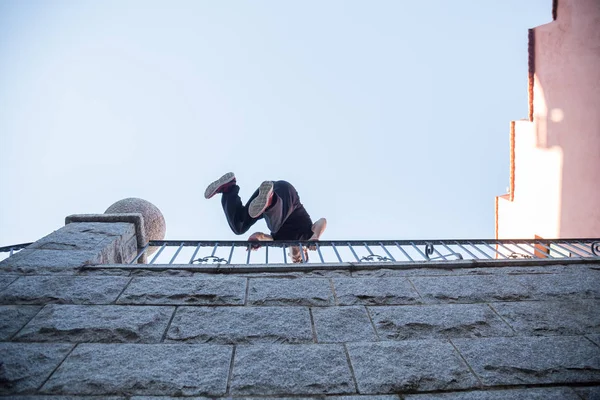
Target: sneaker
[
  {"x": 220, "y": 185},
  {"x": 261, "y": 202}
]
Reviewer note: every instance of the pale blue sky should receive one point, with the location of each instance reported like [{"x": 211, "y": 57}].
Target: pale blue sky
[{"x": 391, "y": 118}]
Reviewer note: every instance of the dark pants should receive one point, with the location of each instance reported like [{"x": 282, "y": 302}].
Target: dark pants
[
  {"x": 286, "y": 217},
  {"x": 236, "y": 212}
]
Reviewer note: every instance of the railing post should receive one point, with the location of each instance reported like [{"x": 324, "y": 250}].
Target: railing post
[{"x": 91, "y": 239}]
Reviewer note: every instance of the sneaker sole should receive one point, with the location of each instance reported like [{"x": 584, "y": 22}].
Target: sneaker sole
[
  {"x": 259, "y": 204},
  {"x": 212, "y": 189}
]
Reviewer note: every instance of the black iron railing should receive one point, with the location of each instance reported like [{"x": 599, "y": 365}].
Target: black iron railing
[
  {"x": 364, "y": 251},
  {"x": 355, "y": 251}
]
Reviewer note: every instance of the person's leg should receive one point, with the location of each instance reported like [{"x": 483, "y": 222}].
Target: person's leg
[
  {"x": 284, "y": 202},
  {"x": 237, "y": 213}
]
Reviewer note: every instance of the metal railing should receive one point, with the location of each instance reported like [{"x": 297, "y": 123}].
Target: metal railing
[
  {"x": 356, "y": 251},
  {"x": 365, "y": 251}
]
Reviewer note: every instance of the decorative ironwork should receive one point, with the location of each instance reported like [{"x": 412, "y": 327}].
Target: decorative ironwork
[
  {"x": 519, "y": 255},
  {"x": 428, "y": 251},
  {"x": 207, "y": 259},
  {"x": 375, "y": 257},
  {"x": 596, "y": 248}
]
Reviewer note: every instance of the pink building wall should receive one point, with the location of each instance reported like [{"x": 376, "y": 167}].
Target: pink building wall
[{"x": 555, "y": 157}]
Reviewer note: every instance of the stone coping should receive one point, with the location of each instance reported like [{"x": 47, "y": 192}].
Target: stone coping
[{"x": 134, "y": 218}]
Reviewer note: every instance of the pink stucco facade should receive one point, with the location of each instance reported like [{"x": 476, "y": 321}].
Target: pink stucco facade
[{"x": 555, "y": 157}]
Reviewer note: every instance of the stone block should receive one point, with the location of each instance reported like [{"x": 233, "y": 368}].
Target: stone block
[
  {"x": 36, "y": 261},
  {"x": 185, "y": 291},
  {"x": 469, "y": 289},
  {"x": 84, "y": 236},
  {"x": 374, "y": 291},
  {"x": 532, "y": 360},
  {"x": 116, "y": 324},
  {"x": 578, "y": 284},
  {"x": 143, "y": 369},
  {"x": 567, "y": 317},
  {"x": 560, "y": 393},
  {"x": 437, "y": 322},
  {"x": 6, "y": 280},
  {"x": 241, "y": 325},
  {"x": 349, "y": 397},
  {"x": 291, "y": 369},
  {"x": 76, "y": 245},
  {"x": 588, "y": 393},
  {"x": 343, "y": 324},
  {"x": 25, "y": 366},
  {"x": 172, "y": 398},
  {"x": 34, "y": 397},
  {"x": 594, "y": 338},
  {"x": 419, "y": 365},
  {"x": 64, "y": 289},
  {"x": 13, "y": 318},
  {"x": 297, "y": 292}
]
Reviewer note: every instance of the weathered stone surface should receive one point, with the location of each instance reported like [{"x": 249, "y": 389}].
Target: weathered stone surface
[
  {"x": 39, "y": 261},
  {"x": 6, "y": 280},
  {"x": 577, "y": 284},
  {"x": 374, "y": 291},
  {"x": 185, "y": 291},
  {"x": 116, "y": 324},
  {"x": 560, "y": 393},
  {"x": 383, "y": 397},
  {"x": 343, "y": 324},
  {"x": 13, "y": 318},
  {"x": 419, "y": 365},
  {"x": 575, "y": 317},
  {"x": 241, "y": 325},
  {"x": 437, "y": 322},
  {"x": 76, "y": 245},
  {"x": 84, "y": 236},
  {"x": 594, "y": 338},
  {"x": 33, "y": 397},
  {"x": 350, "y": 397},
  {"x": 143, "y": 369},
  {"x": 297, "y": 369},
  {"x": 532, "y": 360},
  {"x": 24, "y": 367},
  {"x": 63, "y": 289},
  {"x": 588, "y": 393},
  {"x": 469, "y": 289},
  {"x": 298, "y": 292},
  {"x": 170, "y": 398}
]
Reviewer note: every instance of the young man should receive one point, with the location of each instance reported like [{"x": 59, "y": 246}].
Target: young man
[{"x": 275, "y": 201}]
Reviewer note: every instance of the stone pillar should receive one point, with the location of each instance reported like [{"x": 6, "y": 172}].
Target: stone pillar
[{"x": 114, "y": 237}]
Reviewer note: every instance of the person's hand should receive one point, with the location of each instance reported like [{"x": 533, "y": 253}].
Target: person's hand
[
  {"x": 255, "y": 237},
  {"x": 313, "y": 247}
]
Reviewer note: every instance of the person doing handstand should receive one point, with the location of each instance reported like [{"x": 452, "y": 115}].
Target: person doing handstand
[{"x": 275, "y": 201}]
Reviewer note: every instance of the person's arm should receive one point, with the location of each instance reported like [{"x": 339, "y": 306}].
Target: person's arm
[
  {"x": 259, "y": 237},
  {"x": 318, "y": 228}
]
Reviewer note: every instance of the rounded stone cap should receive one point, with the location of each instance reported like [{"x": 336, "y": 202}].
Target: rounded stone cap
[{"x": 154, "y": 222}]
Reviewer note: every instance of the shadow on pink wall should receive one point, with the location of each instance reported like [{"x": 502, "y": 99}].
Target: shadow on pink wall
[
  {"x": 567, "y": 73},
  {"x": 555, "y": 156}
]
